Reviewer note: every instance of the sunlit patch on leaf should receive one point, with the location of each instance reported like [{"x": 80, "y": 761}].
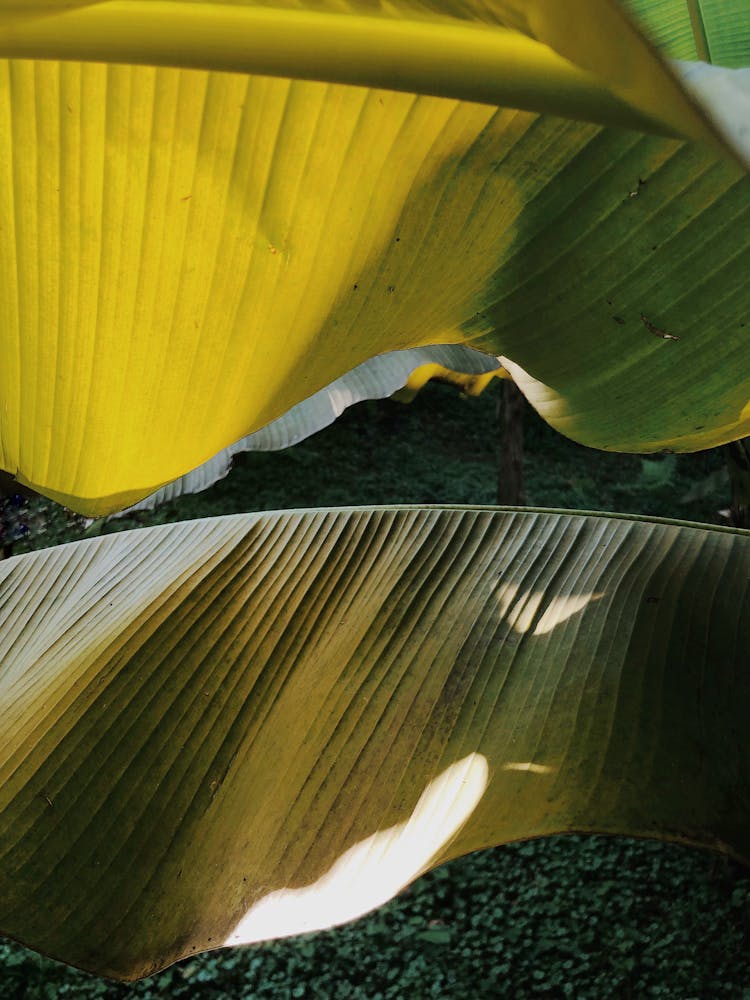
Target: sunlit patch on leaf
[
  {"x": 217, "y": 247},
  {"x": 200, "y": 717},
  {"x": 375, "y": 870}
]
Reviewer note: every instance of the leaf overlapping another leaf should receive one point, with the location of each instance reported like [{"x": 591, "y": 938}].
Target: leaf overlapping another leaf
[
  {"x": 377, "y": 378},
  {"x": 192, "y": 252},
  {"x": 209, "y": 728}
]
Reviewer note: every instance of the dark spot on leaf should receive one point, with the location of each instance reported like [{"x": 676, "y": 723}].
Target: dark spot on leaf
[{"x": 657, "y": 331}]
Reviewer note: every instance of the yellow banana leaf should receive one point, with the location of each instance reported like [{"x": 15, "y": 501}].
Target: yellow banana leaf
[
  {"x": 227, "y": 730},
  {"x": 385, "y": 375},
  {"x": 470, "y": 385},
  {"x": 212, "y": 211}
]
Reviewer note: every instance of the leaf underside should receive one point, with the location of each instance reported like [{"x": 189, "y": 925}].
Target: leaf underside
[
  {"x": 187, "y": 254},
  {"x": 374, "y": 379},
  {"x": 250, "y": 726}
]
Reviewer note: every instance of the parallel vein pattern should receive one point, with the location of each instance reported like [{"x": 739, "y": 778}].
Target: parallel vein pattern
[
  {"x": 377, "y": 378},
  {"x": 187, "y": 254},
  {"x": 245, "y": 727}
]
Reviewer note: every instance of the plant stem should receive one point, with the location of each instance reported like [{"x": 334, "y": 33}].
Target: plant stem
[
  {"x": 510, "y": 410},
  {"x": 737, "y": 454},
  {"x": 448, "y": 58},
  {"x": 699, "y": 30}
]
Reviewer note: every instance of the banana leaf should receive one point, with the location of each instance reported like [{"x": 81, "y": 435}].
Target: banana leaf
[
  {"x": 221, "y": 731},
  {"x": 213, "y": 211}
]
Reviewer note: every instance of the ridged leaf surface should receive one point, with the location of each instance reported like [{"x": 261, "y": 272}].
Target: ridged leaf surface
[
  {"x": 188, "y": 252},
  {"x": 239, "y": 728},
  {"x": 377, "y": 378}
]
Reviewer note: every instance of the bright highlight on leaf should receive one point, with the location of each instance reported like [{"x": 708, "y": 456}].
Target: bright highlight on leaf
[
  {"x": 209, "y": 728},
  {"x": 375, "y": 870},
  {"x": 189, "y": 252},
  {"x": 211, "y": 212}
]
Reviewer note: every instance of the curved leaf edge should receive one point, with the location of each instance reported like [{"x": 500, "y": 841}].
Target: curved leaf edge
[{"x": 701, "y": 838}]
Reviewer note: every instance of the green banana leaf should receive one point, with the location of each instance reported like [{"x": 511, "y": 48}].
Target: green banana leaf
[
  {"x": 249, "y": 201},
  {"x": 714, "y": 31},
  {"x": 242, "y": 728},
  {"x": 226, "y": 730}
]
